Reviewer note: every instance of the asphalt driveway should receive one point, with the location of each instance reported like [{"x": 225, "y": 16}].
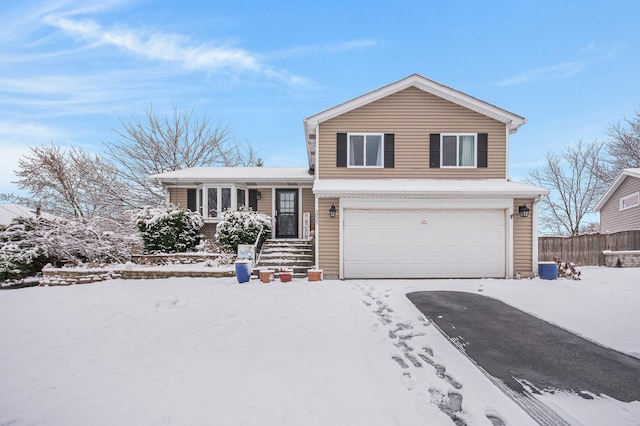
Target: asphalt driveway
[{"x": 514, "y": 346}]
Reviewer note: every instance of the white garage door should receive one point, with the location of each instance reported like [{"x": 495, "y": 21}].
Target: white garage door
[{"x": 424, "y": 243}]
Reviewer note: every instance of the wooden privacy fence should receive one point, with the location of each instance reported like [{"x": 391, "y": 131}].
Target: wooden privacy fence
[{"x": 587, "y": 249}]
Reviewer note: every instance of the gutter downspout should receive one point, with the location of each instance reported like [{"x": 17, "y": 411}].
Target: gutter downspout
[
  {"x": 316, "y": 177},
  {"x": 534, "y": 231}
]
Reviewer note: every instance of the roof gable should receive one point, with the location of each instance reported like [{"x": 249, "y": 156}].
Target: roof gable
[
  {"x": 512, "y": 121},
  {"x": 633, "y": 173}
]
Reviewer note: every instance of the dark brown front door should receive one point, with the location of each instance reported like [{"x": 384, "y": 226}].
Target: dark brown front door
[{"x": 286, "y": 213}]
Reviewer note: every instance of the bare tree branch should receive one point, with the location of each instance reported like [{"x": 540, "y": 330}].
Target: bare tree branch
[
  {"x": 157, "y": 143},
  {"x": 623, "y": 148},
  {"x": 572, "y": 177},
  {"x": 70, "y": 183}
]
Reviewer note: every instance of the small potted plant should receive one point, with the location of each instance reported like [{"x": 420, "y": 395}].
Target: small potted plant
[
  {"x": 314, "y": 274},
  {"x": 286, "y": 274}
]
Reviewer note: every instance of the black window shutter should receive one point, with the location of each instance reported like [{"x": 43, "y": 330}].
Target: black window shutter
[
  {"x": 341, "y": 150},
  {"x": 483, "y": 149},
  {"x": 191, "y": 200},
  {"x": 253, "y": 199},
  {"x": 434, "y": 150},
  {"x": 389, "y": 150}
]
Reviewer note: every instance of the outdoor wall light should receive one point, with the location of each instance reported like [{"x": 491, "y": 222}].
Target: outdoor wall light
[
  {"x": 332, "y": 210},
  {"x": 258, "y": 195},
  {"x": 523, "y": 210}
]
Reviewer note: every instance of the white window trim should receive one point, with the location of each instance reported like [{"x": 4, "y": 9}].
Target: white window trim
[
  {"x": 628, "y": 197},
  {"x": 365, "y": 134},
  {"x": 204, "y": 203},
  {"x": 475, "y": 150}
]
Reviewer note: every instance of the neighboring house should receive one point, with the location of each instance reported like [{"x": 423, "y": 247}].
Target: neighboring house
[
  {"x": 619, "y": 207},
  {"x": 407, "y": 181},
  {"x": 8, "y": 212}
]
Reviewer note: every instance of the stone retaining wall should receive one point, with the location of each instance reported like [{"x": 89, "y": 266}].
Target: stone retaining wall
[
  {"x": 624, "y": 259},
  {"x": 61, "y": 276},
  {"x": 173, "y": 258}
]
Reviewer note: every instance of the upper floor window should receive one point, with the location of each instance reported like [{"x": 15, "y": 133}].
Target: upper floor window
[
  {"x": 365, "y": 150},
  {"x": 458, "y": 150},
  {"x": 630, "y": 201}
]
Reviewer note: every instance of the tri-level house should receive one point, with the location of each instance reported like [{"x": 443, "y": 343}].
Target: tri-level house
[{"x": 407, "y": 181}]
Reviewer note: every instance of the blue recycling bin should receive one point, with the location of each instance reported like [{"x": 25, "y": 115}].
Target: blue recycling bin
[
  {"x": 548, "y": 270},
  {"x": 243, "y": 270}
]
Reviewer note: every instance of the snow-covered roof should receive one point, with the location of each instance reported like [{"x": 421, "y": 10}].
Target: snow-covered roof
[
  {"x": 8, "y": 212},
  {"x": 633, "y": 172},
  {"x": 249, "y": 176},
  {"x": 512, "y": 120},
  {"x": 425, "y": 188}
]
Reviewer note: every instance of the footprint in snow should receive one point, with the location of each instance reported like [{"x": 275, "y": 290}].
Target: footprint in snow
[
  {"x": 400, "y": 361},
  {"x": 427, "y": 359},
  {"x": 413, "y": 360},
  {"x": 408, "y": 381},
  {"x": 495, "y": 419}
]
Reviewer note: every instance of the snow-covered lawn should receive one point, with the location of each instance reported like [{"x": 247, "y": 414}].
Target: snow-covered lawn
[{"x": 212, "y": 351}]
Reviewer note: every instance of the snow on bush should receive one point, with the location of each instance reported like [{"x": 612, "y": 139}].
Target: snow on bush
[
  {"x": 168, "y": 229},
  {"x": 28, "y": 244},
  {"x": 98, "y": 240},
  {"x": 20, "y": 255},
  {"x": 241, "y": 227}
]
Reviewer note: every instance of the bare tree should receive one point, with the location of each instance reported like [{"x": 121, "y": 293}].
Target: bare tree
[
  {"x": 71, "y": 183},
  {"x": 575, "y": 187},
  {"x": 160, "y": 143},
  {"x": 623, "y": 147}
]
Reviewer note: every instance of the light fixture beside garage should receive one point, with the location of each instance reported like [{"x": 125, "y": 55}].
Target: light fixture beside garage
[
  {"x": 332, "y": 210},
  {"x": 524, "y": 210},
  {"x": 258, "y": 195}
]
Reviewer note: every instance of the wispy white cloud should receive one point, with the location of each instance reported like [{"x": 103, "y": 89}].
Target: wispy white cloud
[
  {"x": 173, "y": 49},
  {"x": 553, "y": 72},
  {"x": 325, "y": 48}
]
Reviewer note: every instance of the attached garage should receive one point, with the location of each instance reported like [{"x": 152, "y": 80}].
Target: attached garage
[{"x": 424, "y": 243}]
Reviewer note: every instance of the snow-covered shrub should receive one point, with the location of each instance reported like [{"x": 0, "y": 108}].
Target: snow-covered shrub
[
  {"x": 168, "y": 229},
  {"x": 98, "y": 240},
  {"x": 241, "y": 227},
  {"x": 28, "y": 244},
  {"x": 20, "y": 255}
]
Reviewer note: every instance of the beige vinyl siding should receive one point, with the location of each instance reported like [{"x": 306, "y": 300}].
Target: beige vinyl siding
[
  {"x": 522, "y": 244},
  {"x": 308, "y": 204},
  {"x": 178, "y": 196},
  {"x": 412, "y": 115},
  {"x": 614, "y": 220},
  {"x": 265, "y": 201},
  {"x": 328, "y": 238},
  {"x": 209, "y": 231}
]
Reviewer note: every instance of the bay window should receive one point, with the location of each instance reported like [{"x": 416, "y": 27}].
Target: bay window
[{"x": 213, "y": 200}]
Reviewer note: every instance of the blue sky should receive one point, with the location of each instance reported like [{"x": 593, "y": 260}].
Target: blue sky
[{"x": 71, "y": 70}]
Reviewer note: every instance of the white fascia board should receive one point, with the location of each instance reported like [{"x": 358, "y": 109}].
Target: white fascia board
[
  {"x": 635, "y": 172},
  {"x": 433, "y": 189},
  {"x": 512, "y": 121}
]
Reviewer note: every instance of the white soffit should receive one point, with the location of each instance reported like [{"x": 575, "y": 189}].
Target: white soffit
[
  {"x": 424, "y": 188},
  {"x": 235, "y": 174}
]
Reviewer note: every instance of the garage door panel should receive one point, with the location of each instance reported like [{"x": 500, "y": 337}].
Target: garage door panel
[{"x": 424, "y": 243}]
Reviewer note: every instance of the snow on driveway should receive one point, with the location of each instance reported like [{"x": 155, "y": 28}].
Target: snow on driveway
[{"x": 211, "y": 351}]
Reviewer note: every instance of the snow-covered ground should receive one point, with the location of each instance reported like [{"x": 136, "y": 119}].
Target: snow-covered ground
[{"x": 212, "y": 351}]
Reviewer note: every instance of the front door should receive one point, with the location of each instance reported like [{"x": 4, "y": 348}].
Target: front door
[{"x": 286, "y": 213}]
